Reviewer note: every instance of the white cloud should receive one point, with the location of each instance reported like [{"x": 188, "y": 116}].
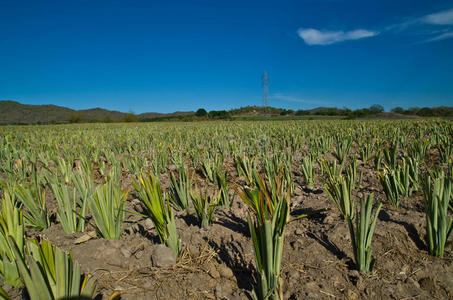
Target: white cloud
[
  {"x": 313, "y": 36},
  {"x": 443, "y": 36},
  {"x": 441, "y": 18}
]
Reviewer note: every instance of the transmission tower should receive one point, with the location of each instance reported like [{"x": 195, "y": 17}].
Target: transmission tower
[{"x": 265, "y": 92}]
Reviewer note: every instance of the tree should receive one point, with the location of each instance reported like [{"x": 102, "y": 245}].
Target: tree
[
  {"x": 412, "y": 110},
  {"x": 425, "y": 112},
  {"x": 75, "y": 117},
  {"x": 201, "y": 112},
  {"x": 130, "y": 117},
  {"x": 302, "y": 112},
  {"x": 219, "y": 114},
  {"x": 398, "y": 110},
  {"x": 376, "y": 108}
]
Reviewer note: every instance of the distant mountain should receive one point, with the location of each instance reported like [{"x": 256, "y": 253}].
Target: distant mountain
[
  {"x": 151, "y": 115},
  {"x": 12, "y": 112}
]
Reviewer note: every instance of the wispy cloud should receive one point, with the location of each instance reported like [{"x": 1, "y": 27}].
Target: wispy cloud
[
  {"x": 313, "y": 36},
  {"x": 441, "y": 18},
  {"x": 443, "y": 36},
  {"x": 437, "y": 26},
  {"x": 433, "y": 27},
  {"x": 288, "y": 98}
]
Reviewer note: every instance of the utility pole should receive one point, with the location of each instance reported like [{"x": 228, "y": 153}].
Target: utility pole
[{"x": 265, "y": 92}]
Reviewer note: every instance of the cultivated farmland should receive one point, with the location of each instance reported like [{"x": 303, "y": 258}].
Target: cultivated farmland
[{"x": 228, "y": 210}]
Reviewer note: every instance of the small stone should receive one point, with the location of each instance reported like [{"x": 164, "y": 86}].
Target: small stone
[
  {"x": 223, "y": 290},
  {"x": 293, "y": 275},
  {"x": 212, "y": 283},
  {"x": 138, "y": 206},
  {"x": 299, "y": 231},
  {"x": 126, "y": 253},
  {"x": 356, "y": 278},
  {"x": 329, "y": 220},
  {"x": 194, "y": 251},
  {"x": 225, "y": 272},
  {"x": 149, "y": 225},
  {"x": 162, "y": 257},
  {"x": 138, "y": 254},
  {"x": 413, "y": 282},
  {"x": 310, "y": 286},
  {"x": 148, "y": 285},
  {"x": 213, "y": 271},
  {"x": 352, "y": 295},
  {"x": 287, "y": 295}
]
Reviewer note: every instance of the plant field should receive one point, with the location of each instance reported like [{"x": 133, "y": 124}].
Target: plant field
[{"x": 301, "y": 209}]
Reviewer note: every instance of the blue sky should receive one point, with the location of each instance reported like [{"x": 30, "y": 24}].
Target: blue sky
[{"x": 168, "y": 55}]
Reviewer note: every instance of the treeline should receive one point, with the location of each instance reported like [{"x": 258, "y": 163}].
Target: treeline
[
  {"x": 442, "y": 111},
  {"x": 202, "y": 114}
]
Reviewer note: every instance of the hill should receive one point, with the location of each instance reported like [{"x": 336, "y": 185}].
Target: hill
[{"x": 12, "y": 112}]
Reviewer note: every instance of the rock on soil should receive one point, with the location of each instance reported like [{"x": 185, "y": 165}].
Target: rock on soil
[{"x": 162, "y": 257}]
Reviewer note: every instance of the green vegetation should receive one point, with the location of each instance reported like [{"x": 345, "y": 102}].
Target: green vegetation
[
  {"x": 362, "y": 233},
  {"x": 437, "y": 192},
  {"x": 14, "y": 113},
  {"x": 49, "y": 273},
  {"x": 79, "y": 176},
  {"x": 107, "y": 208},
  {"x": 269, "y": 204},
  {"x": 159, "y": 211}
]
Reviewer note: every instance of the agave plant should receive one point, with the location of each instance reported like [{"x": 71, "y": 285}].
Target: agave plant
[
  {"x": 366, "y": 152},
  {"x": 445, "y": 148},
  {"x": 180, "y": 185},
  {"x": 204, "y": 206},
  {"x": 362, "y": 233},
  {"x": 107, "y": 208},
  {"x": 308, "y": 170},
  {"x": 391, "y": 154},
  {"x": 49, "y": 273},
  {"x": 437, "y": 194},
  {"x": 332, "y": 169},
  {"x": 70, "y": 218},
  {"x": 378, "y": 156},
  {"x": 222, "y": 183},
  {"x": 33, "y": 198},
  {"x": 342, "y": 150},
  {"x": 271, "y": 214},
  {"x": 159, "y": 211},
  {"x": 389, "y": 180},
  {"x": 340, "y": 190},
  {"x": 11, "y": 224},
  {"x": 245, "y": 166}
]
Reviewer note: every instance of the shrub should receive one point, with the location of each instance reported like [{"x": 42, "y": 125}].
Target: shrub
[
  {"x": 75, "y": 117},
  {"x": 201, "y": 112},
  {"x": 376, "y": 108}
]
